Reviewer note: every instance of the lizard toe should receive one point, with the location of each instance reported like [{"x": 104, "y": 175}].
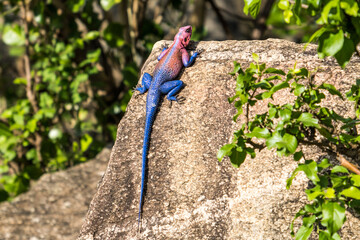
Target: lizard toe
[{"x": 181, "y": 100}]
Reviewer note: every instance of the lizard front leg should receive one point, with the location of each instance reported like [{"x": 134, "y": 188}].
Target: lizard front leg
[
  {"x": 163, "y": 52},
  {"x": 186, "y": 60}
]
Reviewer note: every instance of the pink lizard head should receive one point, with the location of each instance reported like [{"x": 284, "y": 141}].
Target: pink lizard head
[{"x": 184, "y": 35}]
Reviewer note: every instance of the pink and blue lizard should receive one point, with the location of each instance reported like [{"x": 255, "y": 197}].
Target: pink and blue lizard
[{"x": 171, "y": 60}]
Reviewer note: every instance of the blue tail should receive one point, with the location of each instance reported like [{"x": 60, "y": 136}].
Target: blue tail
[{"x": 150, "y": 116}]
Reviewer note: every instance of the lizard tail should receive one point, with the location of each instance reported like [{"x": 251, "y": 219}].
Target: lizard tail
[{"x": 150, "y": 115}]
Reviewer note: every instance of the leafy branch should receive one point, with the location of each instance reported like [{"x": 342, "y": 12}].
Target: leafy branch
[
  {"x": 301, "y": 121},
  {"x": 338, "y": 22}
]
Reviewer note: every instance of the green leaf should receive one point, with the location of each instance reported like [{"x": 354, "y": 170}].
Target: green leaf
[
  {"x": 283, "y": 4},
  {"x": 237, "y": 157},
  {"x": 273, "y": 140},
  {"x": 285, "y": 114},
  {"x": 355, "y": 179},
  {"x": 339, "y": 181},
  {"x": 45, "y": 100},
  {"x": 329, "y": 193},
  {"x": 310, "y": 169},
  {"x": 291, "y": 142},
  {"x": 296, "y": 10},
  {"x": 263, "y": 85},
  {"x": 330, "y": 43},
  {"x": 344, "y": 55},
  {"x": 31, "y": 154},
  {"x": 255, "y": 57},
  {"x": 310, "y": 209},
  {"x": 333, "y": 216},
  {"x": 304, "y": 232},
  {"x": 291, "y": 178},
  {"x": 267, "y": 94},
  {"x": 252, "y": 6},
  {"x": 331, "y": 89},
  {"x": 237, "y": 68},
  {"x": 314, "y": 193},
  {"x": 324, "y": 164},
  {"x": 85, "y": 142},
  {"x": 287, "y": 141},
  {"x": 275, "y": 71},
  {"x": 251, "y": 152},
  {"x": 107, "y": 4},
  {"x": 299, "y": 89},
  {"x": 93, "y": 56},
  {"x": 298, "y": 155},
  {"x": 13, "y": 35},
  {"x": 20, "y": 81},
  {"x": 308, "y": 120},
  {"x": 225, "y": 151},
  {"x": 91, "y": 35},
  {"x": 350, "y": 6},
  {"x": 301, "y": 212},
  {"x": 315, "y": 35},
  {"x": 75, "y": 5},
  {"x": 339, "y": 169},
  {"x": 259, "y": 133},
  {"x": 272, "y": 112},
  {"x": 4, "y": 130},
  {"x": 351, "y": 192},
  {"x": 31, "y": 125},
  {"x": 308, "y": 221},
  {"x": 329, "y": 14},
  {"x": 47, "y": 105},
  {"x": 324, "y": 235},
  {"x": 288, "y": 15},
  {"x": 279, "y": 86}
]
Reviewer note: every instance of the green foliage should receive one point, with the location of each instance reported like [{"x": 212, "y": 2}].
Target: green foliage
[
  {"x": 284, "y": 127},
  {"x": 252, "y": 7},
  {"x": 339, "y": 20},
  {"x": 338, "y": 23},
  {"x": 62, "y": 117}
]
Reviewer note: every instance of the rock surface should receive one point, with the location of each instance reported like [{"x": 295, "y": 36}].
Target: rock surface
[
  {"x": 55, "y": 206},
  {"x": 190, "y": 195}
]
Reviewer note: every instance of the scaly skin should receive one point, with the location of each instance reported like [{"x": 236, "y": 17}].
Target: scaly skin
[{"x": 171, "y": 61}]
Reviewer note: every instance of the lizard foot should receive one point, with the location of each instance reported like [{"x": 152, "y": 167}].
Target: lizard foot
[
  {"x": 179, "y": 100},
  {"x": 199, "y": 51},
  {"x": 166, "y": 46},
  {"x": 135, "y": 90}
]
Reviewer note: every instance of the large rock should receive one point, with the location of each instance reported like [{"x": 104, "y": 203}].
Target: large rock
[
  {"x": 55, "y": 206},
  {"x": 190, "y": 195}
]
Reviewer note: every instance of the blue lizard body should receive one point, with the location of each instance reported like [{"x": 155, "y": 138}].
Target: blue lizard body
[{"x": 171, "y": 61}]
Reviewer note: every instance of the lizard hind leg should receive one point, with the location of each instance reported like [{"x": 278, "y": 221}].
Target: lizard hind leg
[
  {"x": 171, "y": 88},
  {"x": 145, "y": 83}
]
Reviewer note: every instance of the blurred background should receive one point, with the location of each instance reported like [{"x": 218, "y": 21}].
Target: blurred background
[{"x": 67, "y": 69}]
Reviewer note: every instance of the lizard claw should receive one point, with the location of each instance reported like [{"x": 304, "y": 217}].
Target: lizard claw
[
  {"x": 180, "y": 100},
  {"x": 135, "y": 89},
  {"x": 199, "y": 51},
  {"x": 164, "y": 46}
]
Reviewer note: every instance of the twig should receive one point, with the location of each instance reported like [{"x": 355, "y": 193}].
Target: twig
[
  {"x": 348, "y": 165},
  {"x": 222, "y": 20},
  {"x": 256, "y": 145},
  {"x": 234, "y": 15},
  {"x": 11, "y": 10},
  {"x": 29, "y": 88}
]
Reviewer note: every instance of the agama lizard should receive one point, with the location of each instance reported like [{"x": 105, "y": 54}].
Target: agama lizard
[{"x": 171, "y": 60}]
